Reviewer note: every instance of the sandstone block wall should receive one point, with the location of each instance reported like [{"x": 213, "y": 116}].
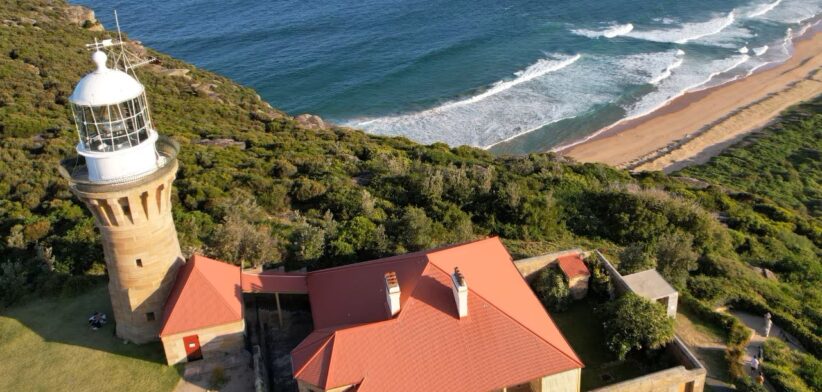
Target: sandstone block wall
[
  {"x": 140, "y": 246},
  {"x": 568, "y": 381},
  {"x": 214, "y": 342}
]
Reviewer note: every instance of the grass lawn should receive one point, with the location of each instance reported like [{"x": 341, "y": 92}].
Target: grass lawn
[
  {"x": 46, "y": 345},
  {"x": 581, "y": 327}
]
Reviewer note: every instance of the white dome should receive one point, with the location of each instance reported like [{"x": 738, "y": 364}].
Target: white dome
[{"x": 105, "y": 86}]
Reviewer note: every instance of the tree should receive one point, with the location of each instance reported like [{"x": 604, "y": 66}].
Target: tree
[
  {"x": 634, "y": 258},
  {"x": 415, "y": 228},
  {"x": 675, "y": 257},
  {"x": 240, "y": 242},
  {"x": 633, "y": 323},
  {"x": 552, "y": 289},
  {"x": 307, "y": 244}
]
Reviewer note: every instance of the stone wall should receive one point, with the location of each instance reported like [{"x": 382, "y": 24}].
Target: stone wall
[
  {"x": 140, "y": 245},
  {"x": 568, "y": 381},
  {"x": 214, "y": 342}
]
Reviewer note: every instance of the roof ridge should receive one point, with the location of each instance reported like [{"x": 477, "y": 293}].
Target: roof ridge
[
  {"x": 577, "y": 361},
  {"x": 225, "y": 303},
  {"x": 363, "y": 264},
  {"x": 401, "y": 257},
  {"x": 320, "y": 336},
  {"x": 328, "y": 372},
  {"x": 328, "y": 338}
]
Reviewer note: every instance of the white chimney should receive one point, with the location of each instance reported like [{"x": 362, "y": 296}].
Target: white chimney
[
  {"x": 460, "y": 289},
  {"x": 392, "y": 293}
]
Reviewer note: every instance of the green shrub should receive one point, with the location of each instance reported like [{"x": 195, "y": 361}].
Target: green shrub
[
  {"x": 635, "y": 323},
  {"x": 552, "y": 289}
]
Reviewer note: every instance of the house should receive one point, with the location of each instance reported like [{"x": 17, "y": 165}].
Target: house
[{"x": 459, "y": 318}]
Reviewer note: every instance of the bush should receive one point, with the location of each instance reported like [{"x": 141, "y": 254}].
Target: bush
[
  {"x": 675, "y": 257},
  {"x": 552, "y": 289},
  {"x": 635, "y": 323},
  {"x": 635, "y": 258},
  {"x": 601, "y": 286},
  {"x": 791, "y": 370}
]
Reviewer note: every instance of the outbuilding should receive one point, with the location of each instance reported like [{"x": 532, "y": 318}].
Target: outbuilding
[
  {"x": 576, "y": 273},
  {"x": 204, "y": 313}
]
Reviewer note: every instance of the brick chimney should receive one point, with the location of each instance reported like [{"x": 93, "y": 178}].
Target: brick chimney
[
  {"x": 392, "y": 293},
  {"x": 460, "y": 289}
]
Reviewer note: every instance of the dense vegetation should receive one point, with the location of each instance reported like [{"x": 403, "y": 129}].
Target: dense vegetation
[
  {"x": 308, "y": 195},
  {"x": 631, "y": 322}
]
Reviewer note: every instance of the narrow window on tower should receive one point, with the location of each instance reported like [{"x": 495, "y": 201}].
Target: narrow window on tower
[
  {"x": 126, "y": 208},
  {"x": 150, "y": 316},
  {"x": 140, "y": 263}
]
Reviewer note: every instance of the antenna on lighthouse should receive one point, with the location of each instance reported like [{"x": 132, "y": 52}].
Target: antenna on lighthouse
[{"x": 123, "y": 59}]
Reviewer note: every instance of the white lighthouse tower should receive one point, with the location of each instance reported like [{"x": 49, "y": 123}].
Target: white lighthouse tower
[{"x": 126, "y": 183}]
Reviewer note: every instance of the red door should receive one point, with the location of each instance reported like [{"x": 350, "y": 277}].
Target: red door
[{"x": 192, "y": 344}]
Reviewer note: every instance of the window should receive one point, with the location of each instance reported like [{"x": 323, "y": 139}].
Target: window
[
  {"x": 140, "y": 263},
  {"x": 113, "y": 127},
  {"x": 150, "y": 316},
  {"x": 126, "y": 208}
]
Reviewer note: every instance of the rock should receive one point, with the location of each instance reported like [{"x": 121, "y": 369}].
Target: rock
[
  {"x": 222, "y": 143},
  {"x": 265, "y": 116},
  {"x": 175, "y": 72},
  {"x": 311, "y": 121},
  {"x": 79, "y": 15},
  {"x": 27, "y": 21}
]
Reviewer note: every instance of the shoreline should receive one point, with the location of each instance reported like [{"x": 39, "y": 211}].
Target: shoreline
[{"x": 699, "y": 120}]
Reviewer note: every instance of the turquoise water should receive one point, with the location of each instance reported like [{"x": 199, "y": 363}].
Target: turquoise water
[{"x": 516, "y": 75}]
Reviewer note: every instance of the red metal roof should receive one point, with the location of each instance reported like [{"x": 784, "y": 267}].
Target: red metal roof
[
  {"x": 274, "y": 282},
  {"x": 507, "y": 337},
  {"x": 573, "y": 266},
  {"x": 206, "y": 293}
]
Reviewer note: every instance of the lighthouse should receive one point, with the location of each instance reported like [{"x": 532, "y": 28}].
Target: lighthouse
[{"x": 125, "y": 181}]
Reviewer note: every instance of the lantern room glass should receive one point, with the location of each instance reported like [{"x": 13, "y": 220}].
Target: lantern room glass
[{"x": 113, "y": 127}]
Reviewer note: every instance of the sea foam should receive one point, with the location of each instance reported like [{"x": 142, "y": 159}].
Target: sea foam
[
  {"x": 541, "y": 67},
  {"x": 687, "y": 31},
  {"x": 506, "y": 109},
  {"x": 760, "y": 50},
  {"x": 669, "y": 69},
  {"x": 763, "y": 9},
  {"x": 615, "y": 30}
]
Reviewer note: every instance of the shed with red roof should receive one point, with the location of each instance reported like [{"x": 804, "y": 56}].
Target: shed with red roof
[
  {"x": 204, "y": 312},
  {"x": 574, "y": 269}
]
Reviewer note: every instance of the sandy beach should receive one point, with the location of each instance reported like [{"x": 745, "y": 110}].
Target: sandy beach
[{"x": 698, "y": 125}]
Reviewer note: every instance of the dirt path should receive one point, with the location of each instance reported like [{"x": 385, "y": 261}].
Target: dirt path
[
  {"x": 756, "y": 324},
  {"x": 708, "y": 346}
]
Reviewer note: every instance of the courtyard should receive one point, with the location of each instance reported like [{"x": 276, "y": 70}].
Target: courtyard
[{"x": 581, "y": 327}]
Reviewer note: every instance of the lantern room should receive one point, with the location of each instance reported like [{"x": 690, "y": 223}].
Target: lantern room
[{"x": 113, "y": 124}]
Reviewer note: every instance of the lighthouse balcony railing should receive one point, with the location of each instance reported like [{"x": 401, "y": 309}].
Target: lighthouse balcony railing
[{"x": 75, "y": 170}]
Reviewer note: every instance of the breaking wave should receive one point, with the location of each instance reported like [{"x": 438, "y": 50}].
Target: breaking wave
[
  {"x": 611, "y": 32},
  {"x": 541, "y": 67},
  {"x": 687, "y": 31},
  {"x": 669, "y": 69},
  {"x": 507, "y": 109},
  {"x": 764, "y": 9},
  {"x": 761, "y": 50}
]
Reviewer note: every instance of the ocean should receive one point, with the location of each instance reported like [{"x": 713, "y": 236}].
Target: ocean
[{"x": 513, "y": 76}]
